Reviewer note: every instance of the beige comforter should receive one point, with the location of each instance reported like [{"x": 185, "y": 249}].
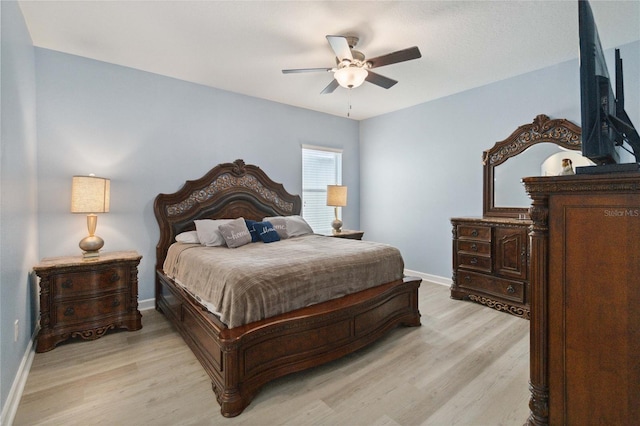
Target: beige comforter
[{"x": 258, "y": 280}]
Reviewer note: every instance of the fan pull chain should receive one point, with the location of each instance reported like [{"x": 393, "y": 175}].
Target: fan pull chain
[{"x": 349, "y": 103}]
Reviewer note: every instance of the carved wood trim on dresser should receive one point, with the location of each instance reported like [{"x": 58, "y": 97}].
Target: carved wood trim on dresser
[
  {"x": 585, "y": 299},
  {"x": 490, "y": 263}
]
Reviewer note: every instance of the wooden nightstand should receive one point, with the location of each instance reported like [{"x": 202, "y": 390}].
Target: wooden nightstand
[
  {"x": 86, "y": 298},
  {"x": 347, "y": 233}
]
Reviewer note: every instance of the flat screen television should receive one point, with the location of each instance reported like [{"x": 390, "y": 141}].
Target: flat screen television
[{"x": 606, "y": 127}]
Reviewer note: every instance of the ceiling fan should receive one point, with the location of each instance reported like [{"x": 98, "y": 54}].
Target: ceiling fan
[{"x": 352, "y": 69}]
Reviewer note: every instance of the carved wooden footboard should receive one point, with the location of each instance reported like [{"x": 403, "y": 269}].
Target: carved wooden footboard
[{"x": 242, "y": 359}]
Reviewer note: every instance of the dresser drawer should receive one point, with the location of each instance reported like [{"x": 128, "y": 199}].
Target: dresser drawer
[
  {"x": 79, "y": 311},
  {"x": 480, "y": 233},
  {"x": 504, "y": 289},
  {"x": 72, "y": 284},
  {"x": 473, "y": 261},
  {"x": 474, "y": 247}
]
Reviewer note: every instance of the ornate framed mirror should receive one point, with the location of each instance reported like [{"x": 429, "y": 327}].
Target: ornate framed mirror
[{"x": 523, "y": 154}]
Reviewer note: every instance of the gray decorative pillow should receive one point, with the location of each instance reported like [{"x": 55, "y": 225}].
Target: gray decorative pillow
[
  {"x": 296, "y": 225},
  {"x": 235, "y": 233},
  {"x": 280, "y": 225}
]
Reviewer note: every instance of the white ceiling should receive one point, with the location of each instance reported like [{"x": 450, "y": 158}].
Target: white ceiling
[{"x": 242, "y": 46}]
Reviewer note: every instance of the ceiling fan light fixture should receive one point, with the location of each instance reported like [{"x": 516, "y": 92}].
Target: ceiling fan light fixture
[
  {"x": 350, "y": 77},
  {"x": 352, "y": 69}
]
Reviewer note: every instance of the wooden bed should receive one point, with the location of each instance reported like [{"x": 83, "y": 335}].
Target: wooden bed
[{"x": 241, "y": 360}]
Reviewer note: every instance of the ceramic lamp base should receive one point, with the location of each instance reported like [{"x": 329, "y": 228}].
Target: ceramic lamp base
[{"x": 91, "y": 246}]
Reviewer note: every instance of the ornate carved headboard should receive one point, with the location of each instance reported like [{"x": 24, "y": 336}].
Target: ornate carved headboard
[{"x": 229, "y": 190}]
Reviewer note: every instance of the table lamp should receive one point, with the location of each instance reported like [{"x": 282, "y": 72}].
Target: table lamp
[
  {"x": 336, "y": 197},
  {"x": 90, "y": 194}
]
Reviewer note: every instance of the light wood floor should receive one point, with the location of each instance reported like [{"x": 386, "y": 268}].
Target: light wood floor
[{"x": 466, "y": 365}]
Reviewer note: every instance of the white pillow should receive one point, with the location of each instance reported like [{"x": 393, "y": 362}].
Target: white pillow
[
  {"x": 208, "y": 232},
  {"x": 189, "y": 237},
  {"x": 296, "y": 225}
]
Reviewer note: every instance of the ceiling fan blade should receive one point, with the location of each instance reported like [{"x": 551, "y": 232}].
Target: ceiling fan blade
[
  {"x": 380, "y": 80},
  {"x": 395, "y": 57},
  {"x": 293, "y": 71},
  {"x": 331, "y": 87},
  {"x": 340, "y": 46}
]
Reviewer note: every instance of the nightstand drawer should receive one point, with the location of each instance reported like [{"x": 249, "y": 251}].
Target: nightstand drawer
[
  {"x": 78, "y": 311},
  {"x": 72, "y": 284}
]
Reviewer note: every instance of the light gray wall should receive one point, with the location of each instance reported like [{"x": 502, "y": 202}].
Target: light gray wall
[
  {"x": 422, "y": 165},
  {"x": 18, "y": 203},
  {"x": 149, "y": 134}
]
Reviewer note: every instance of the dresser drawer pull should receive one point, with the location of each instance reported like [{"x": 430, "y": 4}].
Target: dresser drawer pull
[
  {"x": 467, "y": 279},
  {"x": 115, "y": 303},
  {"x": 69, "y": 311},
  {"x": 511, "y": 290},
  {"x": 474, "y": 247},
  {"x": 68, "y": 283},
  {"x": 473, "y": 260},
  {"x": 474, "y": 233},
  {"x": 114, "y": 277}
]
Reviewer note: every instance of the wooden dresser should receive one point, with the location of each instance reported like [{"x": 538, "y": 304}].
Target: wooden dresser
[
  {"x": 86, "y": 298},
  {"x": 585, "y": 299},
  {"x": 490, "y": 263},
  {"x": 491, "y": 254}
]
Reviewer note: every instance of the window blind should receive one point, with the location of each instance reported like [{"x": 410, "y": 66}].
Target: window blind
[{"x": 320, "y": 167}]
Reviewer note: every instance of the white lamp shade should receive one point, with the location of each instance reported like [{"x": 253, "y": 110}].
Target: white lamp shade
[
  {"x": 90, "y": 194},
  {"x": 336, "y": 195},
  {"x": 350, "y": 77}
]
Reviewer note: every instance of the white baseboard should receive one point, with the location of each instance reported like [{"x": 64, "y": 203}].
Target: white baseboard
[
  {"x": 145, "y": 305},
  {"x": 15, "y": 394},
  {"x": 428, "y": 277}
]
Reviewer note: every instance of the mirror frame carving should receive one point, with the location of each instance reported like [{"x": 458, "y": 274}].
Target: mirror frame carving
[{"x": 561, "y": 132}]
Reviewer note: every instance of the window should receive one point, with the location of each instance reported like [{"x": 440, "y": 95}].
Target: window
[{"x": 320, "y": 167}]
